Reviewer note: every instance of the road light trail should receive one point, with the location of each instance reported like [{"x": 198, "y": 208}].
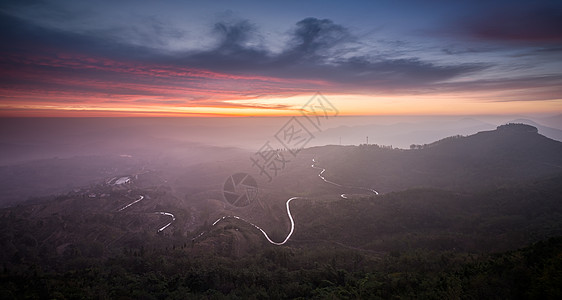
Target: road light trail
[
  {"x": 139, "y": 199},
  {"x": 287, "y": 204},
  {"x": 166, "y": 214},
  {"x": 337, "y": 184},
  {"x": 263, "y": 231}
]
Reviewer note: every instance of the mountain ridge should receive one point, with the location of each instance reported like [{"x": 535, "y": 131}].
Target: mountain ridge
[{"x": 494, "y": 157}]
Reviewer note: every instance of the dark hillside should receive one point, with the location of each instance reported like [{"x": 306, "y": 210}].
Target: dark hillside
[
  {"x": 444, "y": 208},
  {"x": 512, "y": 153},
  {"x": 492, "y": 220}
]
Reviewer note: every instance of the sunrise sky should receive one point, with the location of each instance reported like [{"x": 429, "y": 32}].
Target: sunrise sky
[{"x": 208, "y": 58}]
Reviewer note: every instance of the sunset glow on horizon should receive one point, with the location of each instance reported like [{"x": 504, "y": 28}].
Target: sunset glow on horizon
[{"x": 64, "y": 59}]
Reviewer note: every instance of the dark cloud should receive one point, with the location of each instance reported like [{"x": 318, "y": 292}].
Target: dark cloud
[
  {"x": 414, "y": 71},
  {"x": 308, "y": 57},
  {"x": 236, "y": 50},
  {"x": 315, "y": 36},
  {"x": 234, "y": 36}
]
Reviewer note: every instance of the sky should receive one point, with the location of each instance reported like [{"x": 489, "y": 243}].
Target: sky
[{"x": 264, "y": 58}]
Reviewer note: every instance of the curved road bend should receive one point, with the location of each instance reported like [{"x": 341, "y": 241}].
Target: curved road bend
[
  {"x": 344, "y": 196},
  {"x": 126, "y": 206},
  {"x": 141, "y": 197},
  {"x": 166, "y": 214},
  {"x": 263, "y": 231}
]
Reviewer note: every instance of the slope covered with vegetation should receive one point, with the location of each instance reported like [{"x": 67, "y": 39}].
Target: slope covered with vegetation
[{"x": 474, "y": 217}]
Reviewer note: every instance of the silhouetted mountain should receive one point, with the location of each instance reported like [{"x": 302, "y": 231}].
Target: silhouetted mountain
[
  {"x": 444, "y": 207},
  {"x": 511, "y": 153},
  {"x": 400, "y": 134},
  {"x": 484, "y": 220}
]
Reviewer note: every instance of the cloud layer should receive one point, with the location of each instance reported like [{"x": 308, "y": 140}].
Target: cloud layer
[{"x": 49, "y": 64}]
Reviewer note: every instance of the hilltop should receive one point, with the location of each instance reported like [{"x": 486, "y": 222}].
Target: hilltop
[
  {"x": 443, "y": 208},
  {"x": 509, "y": 154}
]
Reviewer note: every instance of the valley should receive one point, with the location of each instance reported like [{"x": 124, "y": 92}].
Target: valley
[{"x": 463, "y": 198}]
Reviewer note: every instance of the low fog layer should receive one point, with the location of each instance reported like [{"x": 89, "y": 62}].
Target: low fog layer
[
  {"x": 51, "y": 156},
  {"x": 41, "y": 138}
]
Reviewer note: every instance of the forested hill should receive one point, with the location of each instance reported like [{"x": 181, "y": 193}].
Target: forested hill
[
  {"x": 512, "y": 153},
  {"x": 508, "y": 142},
  {"x": 456, "y": 202}
]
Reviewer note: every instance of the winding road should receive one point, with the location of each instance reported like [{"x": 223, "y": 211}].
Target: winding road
[
  {"x": 337, "y": 184},
  {"x": 287, "y": 204},
  {"x": 263, "y": 231},
  {"x": 141, "y": 197},
  {"x": 126, "y": 206},
  {"x": 166, "y": 214}
]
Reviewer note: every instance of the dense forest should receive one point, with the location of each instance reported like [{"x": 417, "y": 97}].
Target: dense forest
[
  {"x": 473, "y": 217},
  {"x": 292, "y": 272}
]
